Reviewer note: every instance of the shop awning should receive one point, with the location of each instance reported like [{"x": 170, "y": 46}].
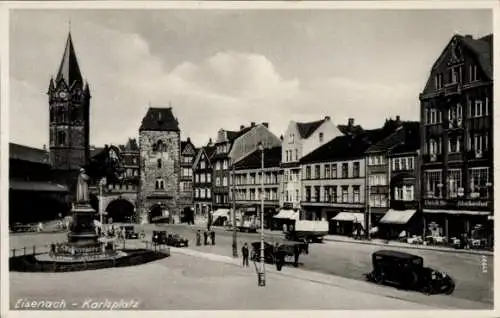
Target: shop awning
[
  {"x": 457, "y": 212},
  {"x": 397, "y": 217},
  {"x": 286, "y": 214},
  {"x": 220, "y": 212},
  {"x": 36, "y": 186},
  {"x": 350, "y": 217}
]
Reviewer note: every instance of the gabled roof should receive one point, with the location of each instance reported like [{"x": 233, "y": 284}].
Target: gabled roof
[
  {"x": 411, "y": 141},
  {"x": 233, "y": 135},
  {"x": 159, "y": 119},
  {"x": 69, "y": 71},
  {"x": 272, "y": 158},
  {"x": 345, "y": 147},
  {"x": 346, "y": 129},
  {"x": 483, "y": 49},
  {"x": 397, "y": 138},
  {"x": 307, "y": 129},
  {"x": 25, "y": 153},
  {"x": 131, "y": 145},
  {"x": 186, "y": 143},
  {"x": 95, "y": 151},
  {"x": 208, "y": 151}
]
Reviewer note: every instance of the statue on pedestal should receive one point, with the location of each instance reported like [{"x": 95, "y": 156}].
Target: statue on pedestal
[{"x": 82, "y": 188}]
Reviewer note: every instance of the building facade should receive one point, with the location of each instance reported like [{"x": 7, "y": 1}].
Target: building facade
[
  {"x": 69, "y": 119},
  {"x": 232, "y": 146},
  {"x": 333, "y": 181},
  {"x": 391, "y": 177},
  {"x": 159, "y": 144},
  {"x": 202, "y": 180},
  {"x": 299, "y": 140},
  {"x": 188, "y": 153},
  {"x": 457, "y": 140},
  {"x": 247, "y": 178}
]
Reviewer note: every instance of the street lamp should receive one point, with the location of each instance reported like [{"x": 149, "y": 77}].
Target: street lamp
[
  {"x": 102, "y": 182},
  {"x": 235, "y": 244},
  {"x": 262, "y": 273}
]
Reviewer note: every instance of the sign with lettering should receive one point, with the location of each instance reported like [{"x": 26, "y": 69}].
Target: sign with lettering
[{"x": 474, "y": 204}]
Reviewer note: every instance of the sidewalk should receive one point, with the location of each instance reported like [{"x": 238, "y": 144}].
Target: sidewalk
[
  {"x": 379, "y": 242},
  {"x": 346, "y": 239},
  {"x": 367, "y": 289}
]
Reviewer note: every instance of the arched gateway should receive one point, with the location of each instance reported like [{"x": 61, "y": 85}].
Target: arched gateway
[{"x": 121, "y": 211}]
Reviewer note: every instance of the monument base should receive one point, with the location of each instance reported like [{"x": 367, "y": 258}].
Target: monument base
[{"x": 82, "y": 231}]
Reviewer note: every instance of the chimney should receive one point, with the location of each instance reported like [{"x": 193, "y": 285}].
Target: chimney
[
  {"x": 242, "y": 126},
  {"x": 327, "y": 117},
  {"x": 188, "y": 140},
  {"x": 252, "y": 124},
  {"x": 265, "y": 125},
  {"x": 468, "y": 36},
  {"x": 210, "y": 141},
  {"x": 350, "y": 122},
  {"x": 44, "y": 147},
  {"x": 281, "y": 137}
]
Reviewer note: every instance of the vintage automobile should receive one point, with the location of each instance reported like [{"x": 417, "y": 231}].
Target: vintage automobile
[
  {"x": 287, "y": 249},
  {"x": 129, "y": 231},
  {"x": 160, "y": 237},
  {"x": 177, "y": 241},
  {"x": 407, "y": 271}
]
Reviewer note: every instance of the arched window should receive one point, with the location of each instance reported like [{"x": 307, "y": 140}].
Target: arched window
[
  {"x": 160, "y": 184},
  {"x": 61, "y": 138},
  {"x": 158, "y": 163},
  {"x": 159, "y": 146}
]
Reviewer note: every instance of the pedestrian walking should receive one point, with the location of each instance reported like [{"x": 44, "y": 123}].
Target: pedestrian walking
[
  {"x": 205, "y": 238},
  {"x": 212, "y": 237},
  {"x": 296, "y": 253},
  {"x": 198, "y": 238},
  {"x": 244, "y": 252},
  {"x": 279, "y": 257}
]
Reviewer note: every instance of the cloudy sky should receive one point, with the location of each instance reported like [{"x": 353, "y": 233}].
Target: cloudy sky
[{"x": 222, "y": 68}]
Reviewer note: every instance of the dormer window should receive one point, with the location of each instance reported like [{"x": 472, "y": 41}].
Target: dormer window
[
  {"x": 473, "y": 73},
  {"x": 455, "y": 75},
  {"x": 438, "y": 81}
]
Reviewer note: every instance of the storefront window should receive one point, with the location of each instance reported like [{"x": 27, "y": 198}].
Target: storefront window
[
  {"x": 433, "y": 184},
  {"x": 479, "y": 182},
  {"x": 454, "y": 182}
]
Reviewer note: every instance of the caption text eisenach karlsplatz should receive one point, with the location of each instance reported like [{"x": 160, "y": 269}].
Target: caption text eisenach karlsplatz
[{"x": 89, "y": 304}]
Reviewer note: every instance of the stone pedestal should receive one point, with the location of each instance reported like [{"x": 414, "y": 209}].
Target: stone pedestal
[{"x": 82, "y": 229}]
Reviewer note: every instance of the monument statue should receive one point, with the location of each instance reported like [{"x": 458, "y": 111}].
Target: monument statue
[{"x": 82, "y": 188}]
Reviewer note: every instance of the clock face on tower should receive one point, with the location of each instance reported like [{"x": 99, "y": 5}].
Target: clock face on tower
[{"x": 62, "y": 94}]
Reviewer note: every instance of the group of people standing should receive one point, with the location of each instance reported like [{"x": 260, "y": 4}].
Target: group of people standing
[{"x": 206, "y": 236}]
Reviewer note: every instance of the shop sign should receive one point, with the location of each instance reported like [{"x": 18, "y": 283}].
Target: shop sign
[
  {"x": 473, "y": 203},
  {"x": 435, "y": 202}
]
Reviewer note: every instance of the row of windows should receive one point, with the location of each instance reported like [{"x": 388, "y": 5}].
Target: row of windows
[
  {"x": 224, "y": 148},
  {"x": 187, "y": 159},
  {"x": 224, "y": 164},
  {"x": 377, "y": 160},
  {"x": 203, "y": 193},
  {"x": 404, "y": 193},
  {"x": 255, "y": 178},
  {"x": 288, "y": 196},
  {"x": 333, "y": 194},
  {"x": 455, "y": 75},
  {"x": 479, "y": 184},
  {"x": 289, "y": 155},
  {"x": 403, "y": 163},
  {"x": 122, "y": 187},
  {"x": 476, "y": 142},
  {"x": 203, "y": 178},
  {"x": 480, "y": 108},
  {"x": 255, "y": 194},
  {"x": 330, "y": 171},
  {"x": 292, "y": 175}
]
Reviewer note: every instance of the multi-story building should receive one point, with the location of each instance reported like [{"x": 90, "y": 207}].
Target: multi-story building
[
  {"x": 159, "y": 144},
  {"x": 230, "y": 147},
  {"x": 69, "y": 120},
  {"x": 333, "y": 181},
  {"x": 188, "y": 153},
  {"x": 299, "y": 140},
  {"x": 248, "y": 183},
  {"x": 457, "y": 139},
  {"x": 202, "y": 180},
  {"x": 391, "y": 173}
]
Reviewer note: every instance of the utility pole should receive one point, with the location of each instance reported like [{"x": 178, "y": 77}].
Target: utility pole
[
  {"x": 235, "y": 242},
  {"x": 262, "y": 274}
]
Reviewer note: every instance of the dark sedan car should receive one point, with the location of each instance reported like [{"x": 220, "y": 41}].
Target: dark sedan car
[
  {"x": 177, "y": 241},
  {"x": 130, "y": 232},
  {"x": 408, "y": 271},
  {"x": 160, "y": 237}
]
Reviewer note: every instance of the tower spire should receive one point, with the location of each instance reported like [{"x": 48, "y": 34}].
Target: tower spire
[{"x": 69, "y": 71}]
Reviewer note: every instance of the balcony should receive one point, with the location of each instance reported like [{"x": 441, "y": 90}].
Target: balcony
[
  {"x": 452, "y": 89},
  {"x": 455, "y": 124},
  {"x": 479, "y": 155},
  {"x": 435, "y": 158}
]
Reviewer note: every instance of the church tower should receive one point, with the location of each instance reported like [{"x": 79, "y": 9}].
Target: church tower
[{"x": 69, "y": 106}]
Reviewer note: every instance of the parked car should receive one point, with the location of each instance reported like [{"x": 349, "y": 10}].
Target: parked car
[
  {"x": 177, "y": 241},
  {"x": 415, "y": 240},
  {"x": 159, "y": 237},
  {"x": 130, "y": 232},
  {"x": 408, "y": 271}
]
